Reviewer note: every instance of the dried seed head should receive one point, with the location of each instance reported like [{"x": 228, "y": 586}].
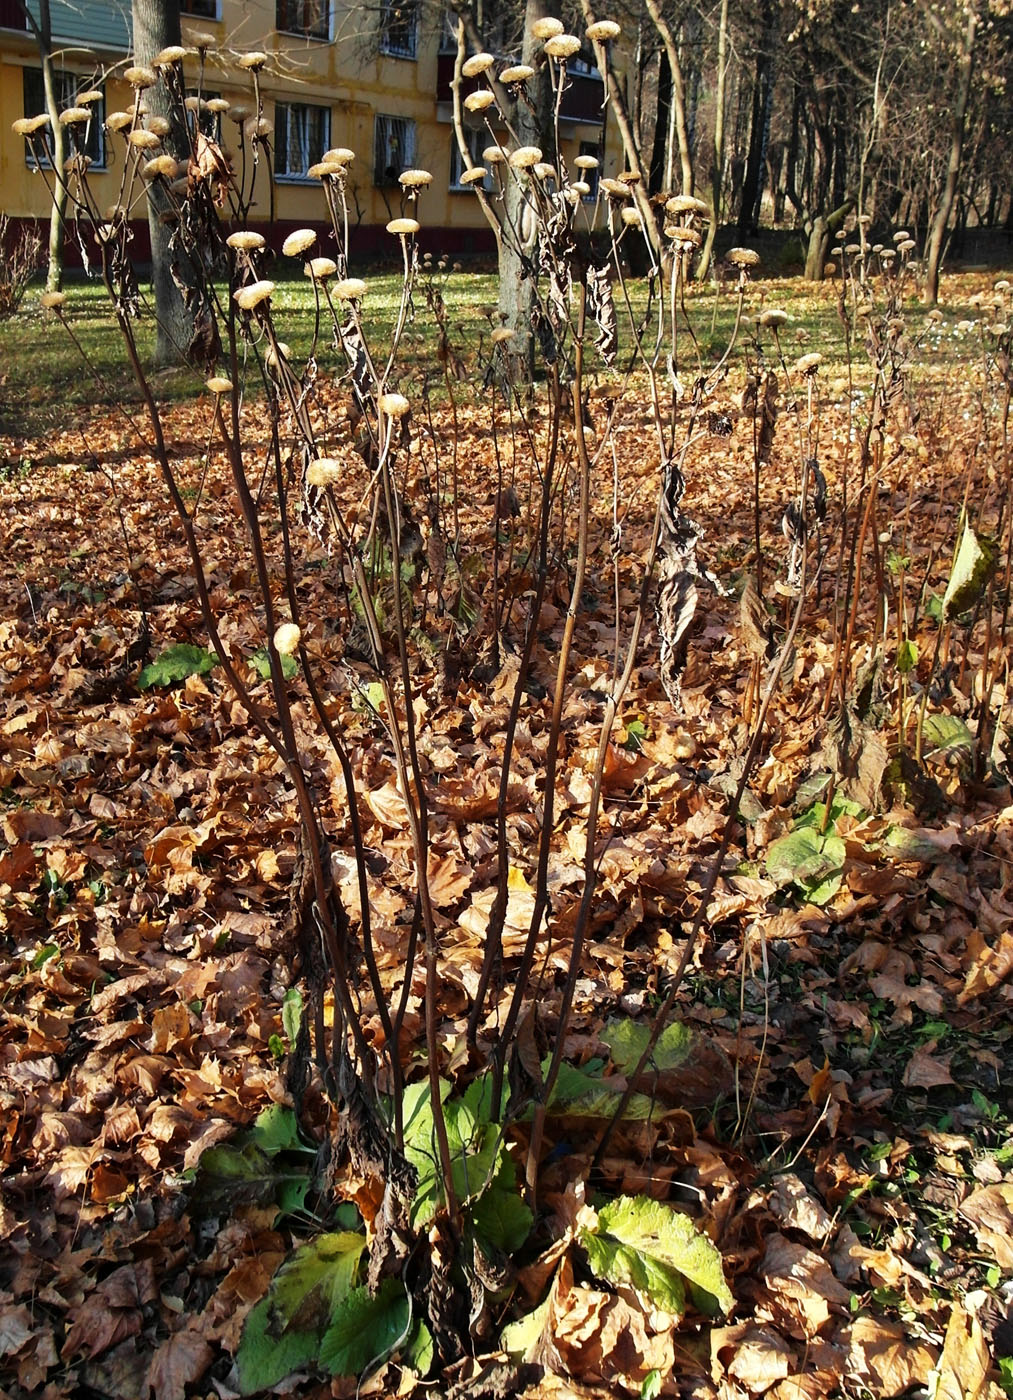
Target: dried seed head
[
  {"x": 544, "y": 170},
  {"x": 934, "y": 316},
  {"x": 257, "y": 128},
  {"x": 272, "y": 358},
  {"x": 85, "y": 98},
  {"x": 477, "y": 63},
  {"x": 479, "y": 101},
  {"x": 1000, "y": 328},
  {"x": 562, "y": 46},
  {"x": 773, "y": 317},
  {"x": 194, "y": 104},
  {"x": 26, "y": 126},
  {"x": 341, "y": 155},
  {"x": 323, "y": 471},
  {"x": 349, "y": 289},
  {"x": 586, "y": 163},
  {"x": 246, "y": 241},
  {"x": 853, "y": 249},
  {"x": 118, "y": 121},
  {"x": 249, "y": 297},
  {"x": 615, "y": 189},
  {"x": 218, "y": 105},
  {"x": 686, "y": 204},
  {"x": 163, "y": 167},
  {"x": 298, "y": 241},
  {"x": 907, "y": 246},
  {"x": 393, "y": 405},
  {"x": 683, "y": 236},
  {"x": 161, "y": 126},
  {"x": 473, "y": 175},
  {"x": 74, "y": 116},
  {"x": 202, "y": 40},
  {"x": 546, "y": 28},
  {"x": 239, "y": 113},
  {"x": 525, "y": 157},
  {"x": 901, "y": 235},
  {"x": 494, "y": 155},
  {"x": 632, "y": 218},
  {"x": 415, "y": 179},
  {"x": 742, "y": 257},
  {"x": 252, "y": 61},
  {"x": 518, "y": 73},
  {"x": 140, "y": 77},
  {"x": 175, "y": 53},
  {"x": 809, "y": 364},
  {"x": 603, "y": 30},
  {"x": 145, "y": 140},
  {"x": 326, "y": 169},
  {"x": 218, "y": 384},
  {"x": 1003, "y": 285},
  {"x": 404, "y": 227},
  {"x": 502, "y": 334},
  {"x": 580, "y": 188},
  {"x": 52, "y": 301},
  {"x": 319, "y": 268},
  {"x": 287, "y": 638}
]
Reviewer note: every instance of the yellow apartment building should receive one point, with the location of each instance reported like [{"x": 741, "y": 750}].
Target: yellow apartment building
[{"x": 375, "y": 78}]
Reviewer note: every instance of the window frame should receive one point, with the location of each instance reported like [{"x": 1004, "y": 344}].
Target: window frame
[
  {"x": 304, "y": 33},
  {"x": 475, "y": 136},
  {"x": 215, "y": 18},
  {"x": 289, "y": 177},
  {"x": 596, "y": 149},
  {"x": 406, "y": 158},
  {"x": 68, "y": 85},
  {"x": 388, "y": 8}
]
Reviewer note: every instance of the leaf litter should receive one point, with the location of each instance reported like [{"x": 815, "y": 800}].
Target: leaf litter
[{"x": 832, "y": 1109}]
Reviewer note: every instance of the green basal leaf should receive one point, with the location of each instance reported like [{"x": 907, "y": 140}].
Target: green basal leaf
[
  {"x": 520, "y": 1340},
  {"x": 263, "y": 1359},
  {"x": 945, "y": 732},
  {"x": 277, "y": 1130},
  {"x": 974, "y": 565},
  {"x": 365, "y": 1330},
  {"x": 658, "y": 1250},
  {"x": 421, "y": 1351},
  {"x": 627, "y": 1041},
  {"x": 636, "y": 733},
  {"x": 261, "y": 663},
  {"x": 500, "y": 1217},
  {"x": 175, "y": 664},
  {"x": 292, "y": 1014},
  {"x": 907, "y": 656},
  {"x": 282, "y": 1333},
  {"x": 651, "y": 1387},
  {"x": 801, "y": 858}
]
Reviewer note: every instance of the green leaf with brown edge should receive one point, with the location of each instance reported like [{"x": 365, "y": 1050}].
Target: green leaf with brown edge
[{"x": 365, "y": 1329}]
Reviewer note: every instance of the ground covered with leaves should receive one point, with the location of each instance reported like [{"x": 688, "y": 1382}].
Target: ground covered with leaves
[{"x": 835, "y": 1112}]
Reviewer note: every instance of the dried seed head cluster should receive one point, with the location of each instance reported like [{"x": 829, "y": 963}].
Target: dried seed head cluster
[
  {"x": 298, "y": 241},
  {"x": 477, "y": 63}
]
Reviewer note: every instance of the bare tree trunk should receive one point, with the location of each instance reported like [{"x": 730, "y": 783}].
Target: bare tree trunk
[
  {"x": 678, "y": 97},
  {"x": 42, "y": 28},
  {"x": 937, "y": 234},
  {"x": 156, "y": 27},
  {"x": 718, "y": 149}
]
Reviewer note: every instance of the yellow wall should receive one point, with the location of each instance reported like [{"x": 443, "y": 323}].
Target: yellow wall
[{"x": 348, "y": 74}]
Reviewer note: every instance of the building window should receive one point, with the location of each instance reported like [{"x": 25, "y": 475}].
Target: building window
[
  {"x": 301, "y": 135},
  {"x": 476, "y": 141},
  {"x": 12, "y": 16},
  {"x": 393, "y": 149},
  {"x": 68, "y": 85},
  {"x": 582, "y": 64},
  {"x": 309, "y": 17},
  {"x": 591, "y": 177},
  {"x": 399, "y": 25},
  {"x": 202, "y": 9}
]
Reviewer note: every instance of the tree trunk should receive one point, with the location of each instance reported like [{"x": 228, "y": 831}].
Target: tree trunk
[
  {"x": 759, "y": 129},
  {"x": 718, "y": 148},
  {"x": 821, "y": 230},
  {"x": 43, "y": 30},
  {"x": 156, "y": 26},
  {"x": 937, "y": 234},
  {"x": 656, "y": 180},
  {"x": 678, "y": 94}
]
